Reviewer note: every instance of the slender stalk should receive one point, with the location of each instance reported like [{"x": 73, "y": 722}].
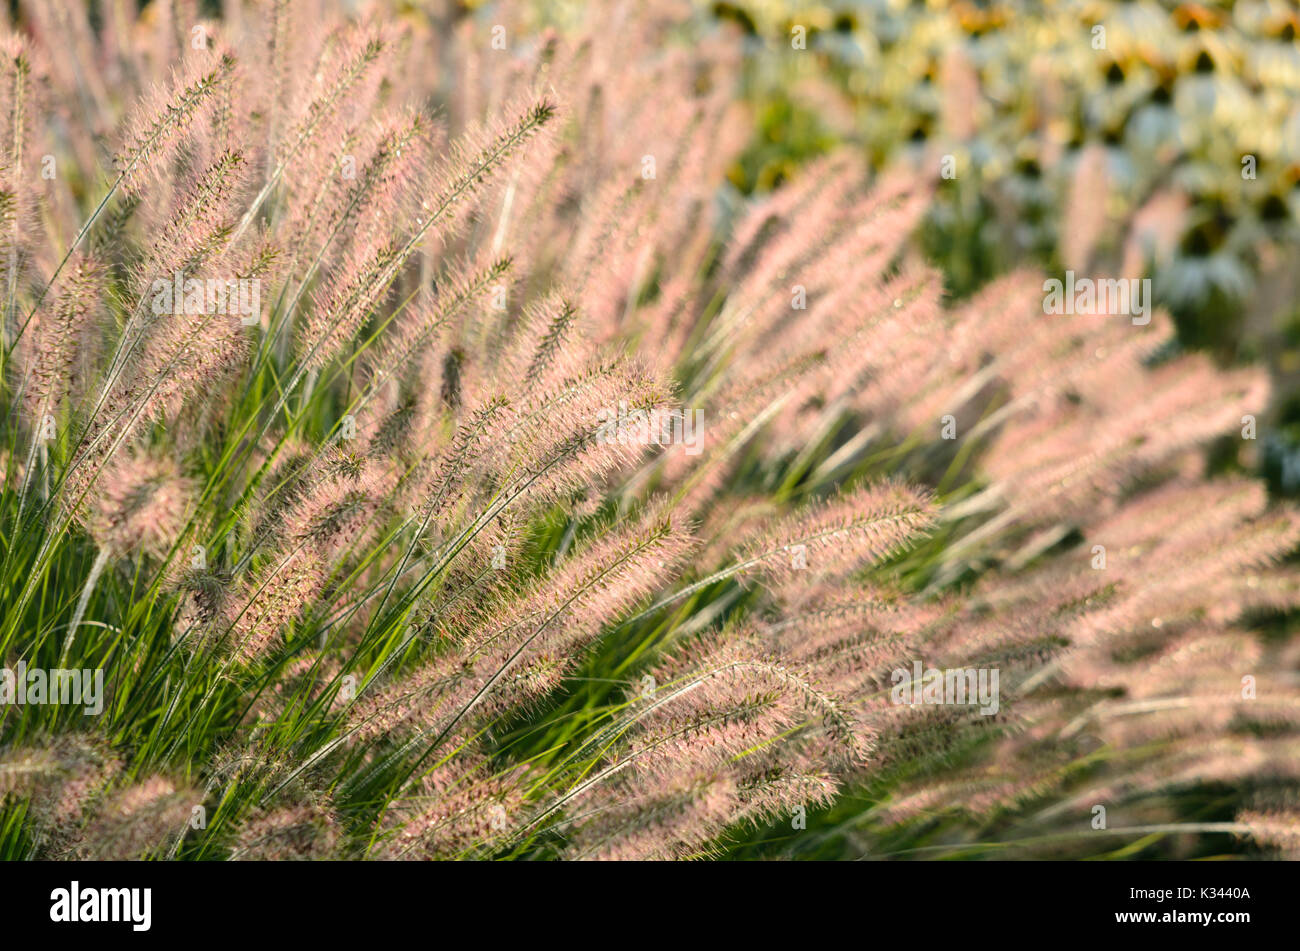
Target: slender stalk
[{"x": 96, "y": 569}]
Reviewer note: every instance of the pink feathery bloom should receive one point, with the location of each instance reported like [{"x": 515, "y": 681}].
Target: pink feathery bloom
[
  {"x": 460, "y": 809},
  {"x": 158, "y": 124},
  {"x": 140, "y": 820},
  {"x": 835, "y": 538},
  {"x": 959, "y": 86},
  {"x": 61, "y": 338},
  {"x": 1084, "y": 217},
  {"x": 1278, "y": 829},
  {"x": 141, "y": 504},
  {"x": 520, "y": 651},
  {"x": 335, "y": 515},
  {"x": 290, "y": 833}
]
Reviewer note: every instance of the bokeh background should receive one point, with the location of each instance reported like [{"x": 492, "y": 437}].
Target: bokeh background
[
  {"x": 1177, "y": 122},
  {"x": 1158, "y": 134},
  {"x": 1154, "y": 138}
]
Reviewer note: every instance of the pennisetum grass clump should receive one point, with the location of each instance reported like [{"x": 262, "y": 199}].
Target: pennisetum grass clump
[{"x": 529, "y": 501}]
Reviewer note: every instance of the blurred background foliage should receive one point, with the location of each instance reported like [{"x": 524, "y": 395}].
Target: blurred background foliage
[{"x": 1190, "y": 113}]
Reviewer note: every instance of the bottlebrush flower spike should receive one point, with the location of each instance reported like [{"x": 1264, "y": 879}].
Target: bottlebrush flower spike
[
  {"x": 652, "y": 822},
  {"x": 16, "y": 95},
  {"x": 1279, "y": 829},
  {"x": 291, "y": 833},
  {"x": 859, "y": 528},
  {"x": 339, "y": 313},
  {"x": 61, "y": 338},
  {"x": 64, "y": 779},
  {"x": 140, "y": 820},
  {"x": 418, "y": 328},
  {"x": 199, "y": 224},
  {"x": 333, "y": 514},
  {"x": 461, "y": 810},
  {"x": 543, "y": 632},
  {"x": 141, "y": 505},
  {"x": 158, "y": 124}
]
